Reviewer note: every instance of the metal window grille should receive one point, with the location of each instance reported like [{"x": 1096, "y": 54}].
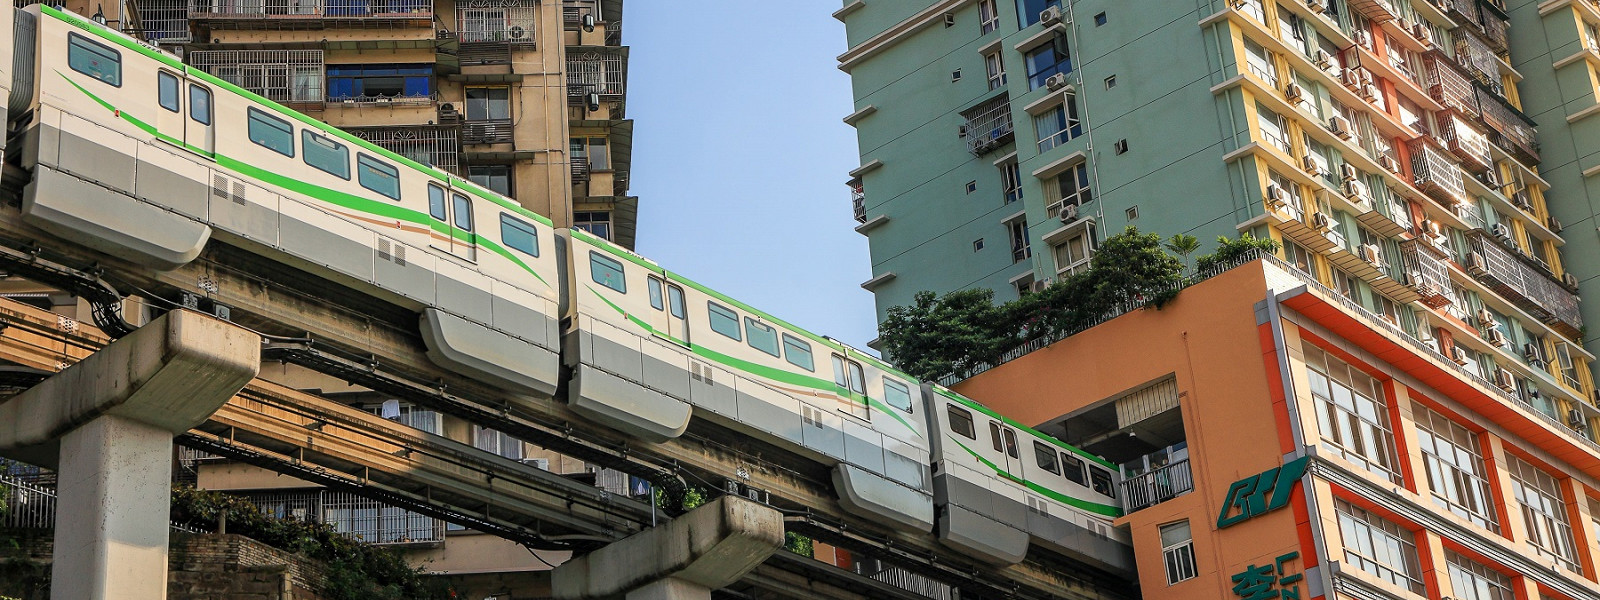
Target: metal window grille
[
  {"x": 1435, "y": 172},
  {"x": 278, "y": 75},
  {"x": 604, "y": 73},
  {"x": 496, "y": 21},
  {"x": 1476, "y": 57},
  {"x": 988, "y": 125},
  {"x": 165, "y": 21},
  {"x": 368, "y": 520},
  {"x": 298, "y": 9},
  {"x": 1466, "y": 141},
  {"x": 572, "y": 12},
  {"x": 436, "y": 146},
  {"x": 1524, "y": 285}
]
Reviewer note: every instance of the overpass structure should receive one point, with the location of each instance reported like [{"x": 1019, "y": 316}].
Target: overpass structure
[{"x": 367, "y": 342}]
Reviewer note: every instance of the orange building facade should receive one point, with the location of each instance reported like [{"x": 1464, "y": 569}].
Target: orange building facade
[{"x": 1279, "y": 441}]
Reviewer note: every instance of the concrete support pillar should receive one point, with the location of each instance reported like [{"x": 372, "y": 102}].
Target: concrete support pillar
[
  {"x": 706, "y": 549},
  {"x": 106, "y": 425}
]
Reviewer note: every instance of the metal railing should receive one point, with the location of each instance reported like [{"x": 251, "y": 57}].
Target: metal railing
[
  {"x": 1476, "y": 57},
  {"x": 988, "y": 125},
  {"x": 361, "y": 518},
  {"x": 432, "y": 145},
  {"x": 383, "y": 100},
  {"x": 487, "y": 131},
  {"x": 1157, "y": 486},
  {"x": 278, "y": 75},
  {"x": 292, "y": 9},
  {"x": 496, "y": 21},
  {"x": 1466, "y": 142},
  {"x": 28, "y": 506},
  {"x": 604, "y": 73},
  {"x": 1523, "y": 284},
  {"x": 580, "y": 168},
  {"x": 1449, "y": 86},
  {"x": 164, "y": 21},
  {"x": 1435, "y": 172},
  {"x": 572, "y": 11},
  {"x": 1509, "y": 128}
]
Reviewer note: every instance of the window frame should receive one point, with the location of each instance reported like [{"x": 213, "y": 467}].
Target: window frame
[
  {"x": 751, "y": 324},
  {"x": 378, "y": 168},
  {"x": 509, "y": 222},
  {"x": 78, "y": 40},
  {"x": 440, "y": 210},
  {"x": 790, "y": 342},
  {"x": 715, "y": 311},
  {"x": 255, "y": 115},
  {"x": 1044, "y": 455},
  {"x": 162, "y": 77},
  {"x": 900, "y": 386},
  {"x": 307, "y": 135},
  {"x": 459, "y": 201},
  {"x": 657, "y": 291},
  {"x": 1178, "y": 557},
  {"x": 956, "y": 415},
  {"x": 596, "y": 259},
  {"x": 210, "y": 104}
]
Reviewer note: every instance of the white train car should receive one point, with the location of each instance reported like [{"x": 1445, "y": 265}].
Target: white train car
[
  {"x": 137, "y": 155},
  {"x": 650, "y": 349},
  {"x": 1000, "y": 485}
]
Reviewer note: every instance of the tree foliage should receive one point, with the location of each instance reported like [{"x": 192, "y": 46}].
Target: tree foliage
[
  {"x": 1231, "y": 251},
  {"x": 945, "y": 333}
]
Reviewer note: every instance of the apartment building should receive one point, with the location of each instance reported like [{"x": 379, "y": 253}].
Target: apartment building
[
  {"x": 1381, "y": 142},
  {"x": 1280, "y": 440}
]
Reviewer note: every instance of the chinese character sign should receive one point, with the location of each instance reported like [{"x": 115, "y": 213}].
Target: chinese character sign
[{"x": 1269, "y": 582}]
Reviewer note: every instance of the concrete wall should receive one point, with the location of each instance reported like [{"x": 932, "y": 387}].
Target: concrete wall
[{"x": 201, "y": 567}]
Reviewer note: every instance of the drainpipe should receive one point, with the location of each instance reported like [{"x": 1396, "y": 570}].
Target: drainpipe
[{"x": 1094, "y": 166}]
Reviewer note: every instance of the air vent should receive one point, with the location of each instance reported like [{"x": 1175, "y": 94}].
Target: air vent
[
  {"x": 392, "y": 251},
  {"x": 700, "y": 372}
]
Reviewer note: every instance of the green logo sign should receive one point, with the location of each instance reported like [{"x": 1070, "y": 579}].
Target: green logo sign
[{"x": 1260, "y": 494}]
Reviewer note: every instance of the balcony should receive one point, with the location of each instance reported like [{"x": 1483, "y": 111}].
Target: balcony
[
  {"x": 988, "y": 125},
  {"x": 1476, "y": 57},
  {"x": 1495, "y": 30},
  {"x": 1157, "y": 486},
  {"x": 1465, "y": 141},
  {"x": 1508, "y": 127},
  {"x": 599, "y": 72},
  {"x": 486, "y": 131},
  {"x": 496, "y": 22},
  {"x": 164, "y": 21},
  {"x": 580, "y": 169},
  {"x": 1448, "y": 86},
  {"x": 289, "y": 77},
  {"x": 435, "y": 146},
  {"x": 1435, "y": 173},
  {"x": 858, "y": 201},
  {"x": 1524, "y": 285},
  {"x": 1425, "y": 272},
  {"x": 1378, "y": 11},
  {"x": 313, "y": 13},
  {"x": 572, "y": 12}
]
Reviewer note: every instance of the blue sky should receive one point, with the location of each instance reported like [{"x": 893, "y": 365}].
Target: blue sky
[{"x": 740, "y": 157}]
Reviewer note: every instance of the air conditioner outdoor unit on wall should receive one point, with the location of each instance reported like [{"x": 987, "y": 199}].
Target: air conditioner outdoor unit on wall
[
  {"x": 1050, "y": 16},
  {"x": 1056, "y": 81},
  {"x": 1069, "y": 213}
]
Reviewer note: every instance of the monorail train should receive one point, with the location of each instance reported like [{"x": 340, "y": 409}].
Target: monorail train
[{"x": 134, "y": 154}]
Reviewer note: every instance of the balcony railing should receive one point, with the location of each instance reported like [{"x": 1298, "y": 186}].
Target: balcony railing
[
  {"x": 1425, "y": 272},
  {"x": 496, "y": 21},
  {"x": 1435, "y": 172},
  {"x": 311, "y": 9},
  {"x": 1157, "y": 486},
  {"x": 858, "y": 201},
  {"x": 386, "y": 100},
  {"x": 1508, "y": 127},
  {"x": 580, "y": 168},
  {"x": 572, "y": 12},
  {"x": 432, "y": 145},
  {"x": 488, "y": 131},
  {"x": 1449, "y": 86},
  {"x": 368, "y": 520},
  {"x": 1523, "y": 284},
  {"x": 1495, "y": 30},
  {"x": 164, "y": 21},
  {"x": 1466, "y": 142},
  {"x": 604, "y": 73},
  {"x": 988, "y": 125},
  {"x": 1476, "y": 57},
  {"x": 286, "y": 76}
]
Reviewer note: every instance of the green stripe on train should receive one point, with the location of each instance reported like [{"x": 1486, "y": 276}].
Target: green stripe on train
[{"x": 1101, "y": 509}]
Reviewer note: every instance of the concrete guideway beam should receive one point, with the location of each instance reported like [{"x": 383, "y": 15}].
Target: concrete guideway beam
[
  {"x": 106, "y": 424},
  {"x": 708, "y": 548}
]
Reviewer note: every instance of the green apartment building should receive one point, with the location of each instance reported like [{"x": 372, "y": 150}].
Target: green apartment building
[{"x": 1389, "y": 145}]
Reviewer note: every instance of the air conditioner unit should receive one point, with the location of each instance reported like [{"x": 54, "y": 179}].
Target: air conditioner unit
[
  {"x": 1348, "y": 172},
  {"x": 1363, "y": 39},
  {"x": 1369, "y": 92},
  {"x": 1050, "y": 16},
  {"x": 1533, "y": 353},
  {"x": 1351, "y": 78},
  {"x": 1322, "y": 221},
  {"x": 1371, "y": 254},
  {"x": 1522, "y": 200},
  {"x": 1476, "y": 265},
  {"x": 1458, "y": 354},
  {"x": 1293, "y": 93},
  {"x": 1486, "y": 318},
  {"x": 1069, "y": 213},
  {"x": 1500, "y": 231},
  {"x": 1317, "y": 6},
  {"x": 1569, "y": 279},
  {"x": 1555, "y": 225},
  {"x": 1504, "y": 379},
  {"x": 1575, "y": 420},
  {"x": 1056, "y": 82},
  {"x": 1276, "y": 196},
  {"x": 1321, "y": 58},
  {"x": 1039, "y": 286},
  {"x": 1340, "y": 126},
  {"x": 1312, "y": 163},
  {"x": 1422, "y": 33},
  {"x": 1389, "y": 164},
  {"x": 1494, "y": 337},
  {"x": 1355, "y": 189}
]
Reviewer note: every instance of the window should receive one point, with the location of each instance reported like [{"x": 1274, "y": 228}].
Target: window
[
  {"x": 961, "y": 422},
  {"x": 761, "y": 336},
  {"x": 1258, "y": 61},
  {"x": 200, "y": 104},
  {"x": 1111, "y": 81},
  {"x": 1299, "y": 257},
  {"x": 353, "y": 82},
  {"x": 1046, "y": 60},
  {"x": 591, "y": 149},
  {"x": 723, "y": 320},
  {"x": 597, "y": 223},
  {"x": 1004, "y": 439},
  {"x": 1045, "y": 455},
  {"x": 1569, "y": 371},
  {"x": 498, "y": 442},
  {"x": 977, "y": 244},
  {"x": 1021, "y": 250},
  {"x": 1073, "y": 468},
  {"x": 1253, "y": 8},
  {"x": 463, "y": 209},
  {"x": 436, "y": 205},
  {"x": 1273, "y": 129},
  {"x": 607, "y": 271},
  {"x": 1544, "y": 512},
  {"x": 675, "y": 302},
  {"x": 522, "y": 237},
  {"x": 94, "y": 59},
  {"x": 325, "y": 154},
  {"x": 1120, "y": 147},
  {"x": 167, "y": 83},
  {"x": 1011, "y": 181},
  {"x": 972, "y": 186},
  {"x": 270, "y": 132},
  {"x": 487, "y": 103},
  {"x": 798, "y": 352},
  {"x": 1456, "y": 473},
  {"x": 656, "y": 300},
  {"x": 1074, "y": 254},
  {"x": 1028, "y": 10},
  {"x": 847, "y": 374},
  {"x": 1177, "y": 551},
  {"x": 896, "y": 394},
  {"x": 1099, "y": 19},
  {"x": 955, "y": 75},
  {"x": 383, "y": 178},
  {"x": 407, "y": 414},
  {"x": 988, "y": 17},
  {"x": 996, "y": 69},
  {"x": 1352, "y": 415},
  {"x": 1472, "y": 581},
  {"x": 495, "y": 178},
  {"x": 1378, "y": 546},
  {"x": 1058, "y": 125},
  {"x": 1074, "y": 185},
  {"x": 995, "y": 438},
  {"x": 1100, "y": 481}
]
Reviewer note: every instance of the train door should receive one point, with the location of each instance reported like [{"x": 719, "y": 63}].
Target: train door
[
  {"x": 671, "y": 315},
  {"x": 454, "y": 230},
  {"x": 1004, "y": 440},
  {"x": 169, "y": 94},
  {"x": 200, "y": 129}
]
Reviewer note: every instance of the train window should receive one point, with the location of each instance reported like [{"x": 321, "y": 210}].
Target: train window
[
  {"x": 675, "y": 302},
  {"x": 94, "y": 59},
  {"x": 847, "y": 375},
  {"x": 200, "y": 104},
  {"x": 1045, "y": 455},
  {"x": 994, "y": 437},
  {"x": 463, "y": 208},
  {"x": 1011, "y": 443},
  {"x": 896, "y": 394},
  {"x": 607, "y": 271},
  {"x": 436, "y": 205},
  {"x": 519, "y": 235},
  {"x": 798, "y": 353},
  {"x": 383, "y": 178},
  {"x": 723, "y": 320},
  {"x": 1072, "y": 467},
  {"x": 167, "y": 86},
  {"x": 1100, "y": 482},
  {"x": 325, "y": 154},
  {"x": 761, "y": 336},
  {"x": 961, "y": 422},
  {"x": 271, "y": 132},
  {"x": 656, "y": 300}
]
